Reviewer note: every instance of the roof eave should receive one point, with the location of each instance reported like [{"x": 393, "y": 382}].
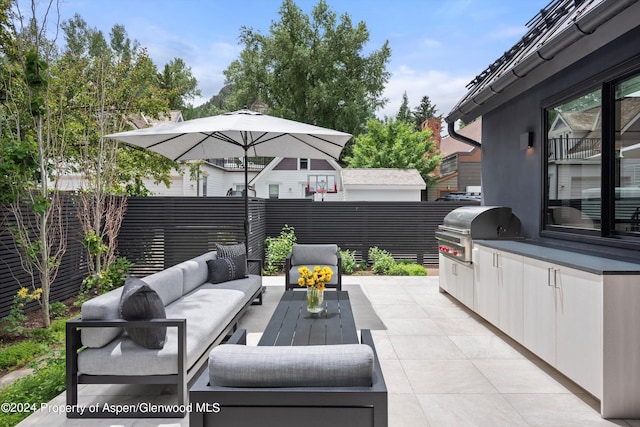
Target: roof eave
[{"x": 558, "y": 53}]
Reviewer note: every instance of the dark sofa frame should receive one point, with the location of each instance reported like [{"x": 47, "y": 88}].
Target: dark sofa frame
[
  {"x": 289, "y": 406},
  {"x": 184, "y": 374}
]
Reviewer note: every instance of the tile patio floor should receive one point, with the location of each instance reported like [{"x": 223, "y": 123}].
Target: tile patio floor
[{"x": 443, "y": 365}]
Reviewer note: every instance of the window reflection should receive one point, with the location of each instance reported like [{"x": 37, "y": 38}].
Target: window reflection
[
  {"x": 627, "y": 156},
  {"x": 574, "y": 139}
]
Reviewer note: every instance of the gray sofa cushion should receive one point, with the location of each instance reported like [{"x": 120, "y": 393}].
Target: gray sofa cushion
[
  {"x": 347, "y": 365},
  {"x": 207, "y": 313},
  {"x": 195, "y": 271},
  {"x": 140, "y": 302},
  {"x": 167, "y": 283},
  {"x": 102, "y": 307},
  {"x": 314, "y": 255},
  {"x": 225, "y": 269}
]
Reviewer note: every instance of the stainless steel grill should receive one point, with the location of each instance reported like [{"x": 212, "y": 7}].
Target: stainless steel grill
[{"x": 461, "y": 226}]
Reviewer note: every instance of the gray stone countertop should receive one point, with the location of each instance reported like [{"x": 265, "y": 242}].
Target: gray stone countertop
[{"x": 577, "y": 260}]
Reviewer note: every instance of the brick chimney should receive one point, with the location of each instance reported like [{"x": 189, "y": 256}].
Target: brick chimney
[{"x": 435, "y": 125}]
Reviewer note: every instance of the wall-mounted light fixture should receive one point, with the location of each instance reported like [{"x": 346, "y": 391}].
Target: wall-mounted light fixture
[{"x": 526, "y": 140}]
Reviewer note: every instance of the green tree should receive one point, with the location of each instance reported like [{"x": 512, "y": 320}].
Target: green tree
[
  {"x": 311, "y": 69},
  {"x": 424, "y": 111},
  {"x": 404, "y": 113},
  {"x": 119, "y": 80},
  {"x": 33, "y": 144},
  {"x": 395, "y": 144},
  {"x": 178, "y": 82}
]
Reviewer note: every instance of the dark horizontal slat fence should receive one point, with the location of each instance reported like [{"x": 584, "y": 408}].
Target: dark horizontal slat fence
[
  {"x": 160, "y": 232},
  {"x": 70, "y": 274},
  {"x": 406, "y": 229}
]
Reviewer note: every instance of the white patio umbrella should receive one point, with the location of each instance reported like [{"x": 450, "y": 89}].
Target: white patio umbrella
[{"x": 242, "y": 133}]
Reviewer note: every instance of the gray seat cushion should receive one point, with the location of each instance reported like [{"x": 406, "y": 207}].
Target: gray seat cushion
[
  {"x": 208, "y": 312},
  {"x": 347, "y": 365},
  {"x": 105, "y": 306},
  {"x": 314, "y": 255}
]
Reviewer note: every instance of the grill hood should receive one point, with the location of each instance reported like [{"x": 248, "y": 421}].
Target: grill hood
[{"x": 483, "y": 222}]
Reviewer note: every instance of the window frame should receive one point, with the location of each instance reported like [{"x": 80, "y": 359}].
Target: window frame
[{"x": 606, "y": 234}]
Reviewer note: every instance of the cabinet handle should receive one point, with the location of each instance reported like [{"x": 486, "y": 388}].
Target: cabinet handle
[
  {"x": 555, "y": 277},
  {"x": 454, "y": 269},
  {"x": 549, "y": 281}
]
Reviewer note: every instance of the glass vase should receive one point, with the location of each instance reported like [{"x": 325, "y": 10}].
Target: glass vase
[{"x": 315, "y": 299}]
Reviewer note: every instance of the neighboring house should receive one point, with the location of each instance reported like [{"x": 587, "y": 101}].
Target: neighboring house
[
  {"x": 382, "y": 185},
  {"x": 291, "y": 178},
  {"x": 460, "y": 166},
  {"x": 141, "y": 121}
]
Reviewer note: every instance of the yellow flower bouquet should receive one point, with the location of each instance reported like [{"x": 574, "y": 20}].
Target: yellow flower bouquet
[{"x": 315, "y": 282}]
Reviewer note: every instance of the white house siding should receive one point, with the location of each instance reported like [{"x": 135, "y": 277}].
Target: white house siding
[{"x": 292, "y": 183}]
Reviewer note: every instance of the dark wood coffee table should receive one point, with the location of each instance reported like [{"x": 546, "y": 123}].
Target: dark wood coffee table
[{"x": 292, "y": 324}]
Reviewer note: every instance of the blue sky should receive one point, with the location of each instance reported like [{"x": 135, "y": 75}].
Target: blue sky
[{"x": 437, "y": 46}]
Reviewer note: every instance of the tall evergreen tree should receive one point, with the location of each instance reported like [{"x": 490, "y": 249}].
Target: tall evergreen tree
[
  {"x": 404, "y": 113},
  {"x": 424, "y": 111}
]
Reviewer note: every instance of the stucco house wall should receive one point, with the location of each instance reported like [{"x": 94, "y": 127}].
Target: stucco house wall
[{"x": 512, "y": 176}]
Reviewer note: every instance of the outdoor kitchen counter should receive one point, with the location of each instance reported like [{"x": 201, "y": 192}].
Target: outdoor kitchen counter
[{"x": 580, "y": 261}]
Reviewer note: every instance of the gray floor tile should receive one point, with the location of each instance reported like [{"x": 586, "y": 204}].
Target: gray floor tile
[{"x": 456, "y": 410}]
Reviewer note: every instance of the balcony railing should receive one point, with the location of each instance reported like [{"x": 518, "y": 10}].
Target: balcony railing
[
  {"x": 573, "y": 148},
  {"x": 255, "y": 163}
]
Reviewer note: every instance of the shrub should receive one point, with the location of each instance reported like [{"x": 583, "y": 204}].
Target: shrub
[
  {"x": 111, "y": 277},
  {"x": 407, "y": 269},
  {"x": 277, "y": 249},
  {"x": 382, "y": 260},
  {"x": 32, "y": 390},
  {"x": 348, "y": 260},
  {"x": 19, "y": 354},
  {"x": 57, "y": 310},
  {"x": 15, "y": 321}
]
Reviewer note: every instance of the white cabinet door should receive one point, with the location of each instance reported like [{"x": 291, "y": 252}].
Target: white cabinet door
[
  {"x": 510, "y": 270},
  {"x": 539, "y": 309},
  {"x": 487, "y": 285},
  {"x": 579, "y": 347},
  {"x": 446, "y": 277},
  {"x": 457, "y": 280},
  {"x": 465, "y": 285}
]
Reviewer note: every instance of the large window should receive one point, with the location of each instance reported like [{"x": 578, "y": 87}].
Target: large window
[{"x": 593, "y": 161}]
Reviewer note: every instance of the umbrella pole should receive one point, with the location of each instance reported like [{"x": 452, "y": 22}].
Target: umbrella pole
[{"x": 246, "y": 202}]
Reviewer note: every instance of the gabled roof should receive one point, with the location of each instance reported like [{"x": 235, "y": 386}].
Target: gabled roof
[
  {"x": 382, "y": 177},
  {"x": 141, "y": 121},
  {"x": 562, "y": 33},
  {"x": 449, "y": 145}
]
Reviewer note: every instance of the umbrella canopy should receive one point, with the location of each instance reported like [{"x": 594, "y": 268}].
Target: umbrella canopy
[
  {"x": 242, "y": 133},
  {"x": 238, "y": 134}
]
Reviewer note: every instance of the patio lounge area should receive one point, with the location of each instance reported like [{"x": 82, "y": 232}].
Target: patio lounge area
[{"x": 443, "y": 365}]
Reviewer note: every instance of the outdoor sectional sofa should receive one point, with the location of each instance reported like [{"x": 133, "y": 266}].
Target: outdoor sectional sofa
[
  {"x": 199, "y": 316},
  {"x": 281, "y": 386}
]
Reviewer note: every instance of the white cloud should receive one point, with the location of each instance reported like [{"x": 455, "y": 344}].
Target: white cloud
[
  {"x": 443, "y": 89},
  {"x": 431, "y": 43},
  {"x": 508, "y": 33}
]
